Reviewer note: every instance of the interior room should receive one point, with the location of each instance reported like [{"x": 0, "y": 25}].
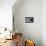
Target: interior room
[{"x": 22, "y": 22}]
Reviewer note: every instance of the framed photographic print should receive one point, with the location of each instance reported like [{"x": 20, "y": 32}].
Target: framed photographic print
[{"x": 29, "y": 19}]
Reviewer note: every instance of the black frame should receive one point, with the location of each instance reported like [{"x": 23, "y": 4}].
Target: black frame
[{"x": 29, "y": 19}]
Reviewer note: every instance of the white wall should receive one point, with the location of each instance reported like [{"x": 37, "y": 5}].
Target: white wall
[
  {"x": 43, "y": 22},
  {"x": 6, "y": 13},
  {"x": 29, "y": 8}
]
